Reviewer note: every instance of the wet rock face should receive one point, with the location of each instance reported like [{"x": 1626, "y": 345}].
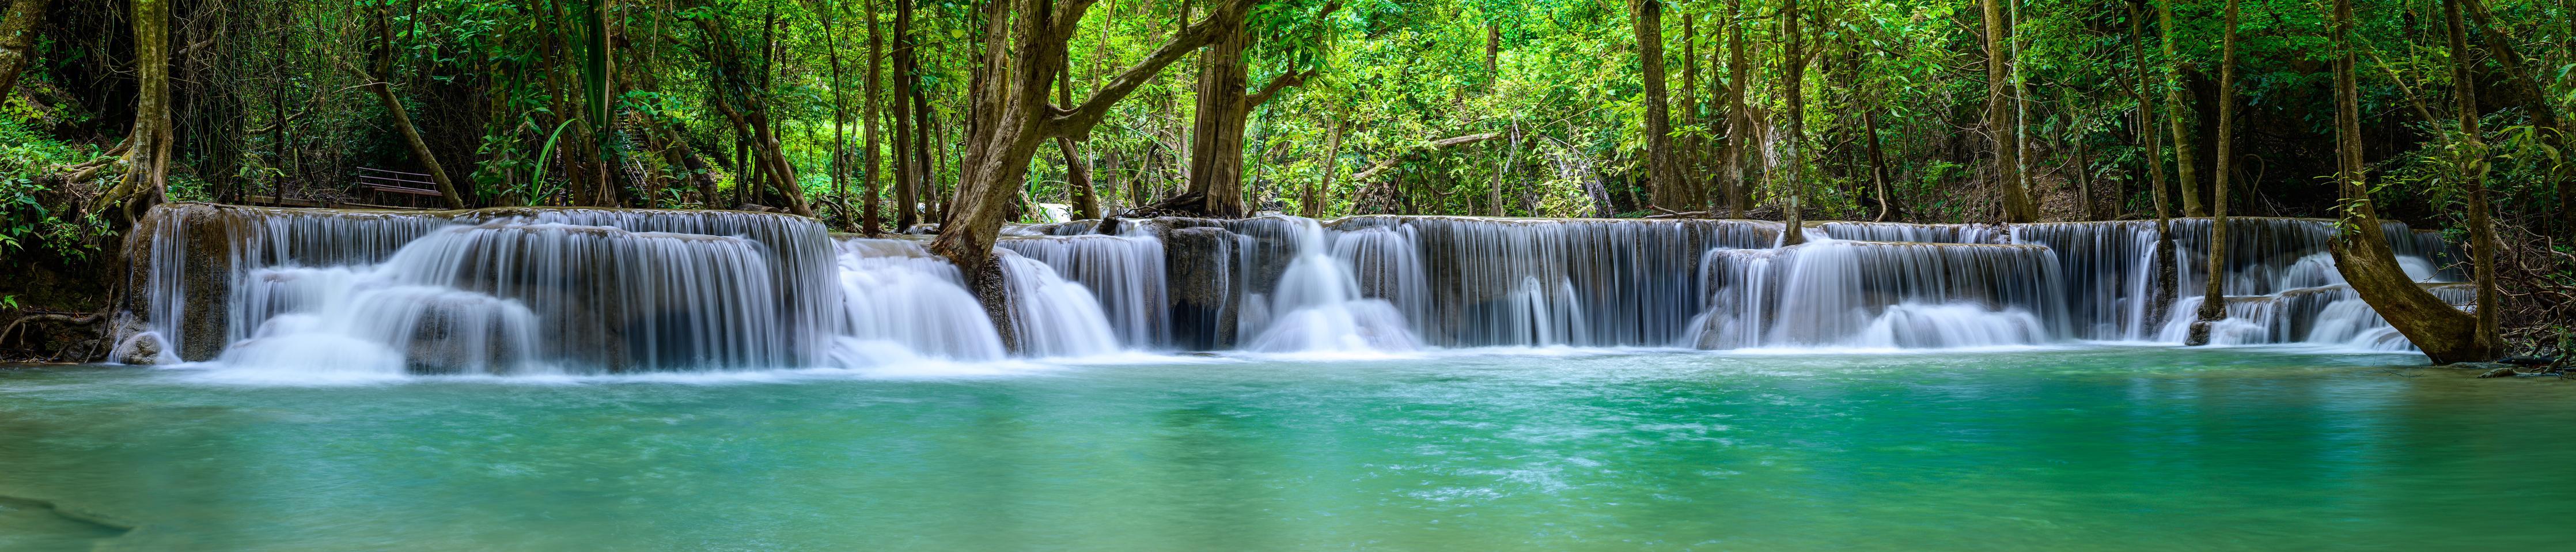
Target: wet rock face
[
  {"x": 1200, "y": 272},
  {"x": 992, "y": 290}
]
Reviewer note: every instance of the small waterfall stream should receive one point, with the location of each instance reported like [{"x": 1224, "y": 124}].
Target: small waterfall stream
[{"x": 580, "y": 291}]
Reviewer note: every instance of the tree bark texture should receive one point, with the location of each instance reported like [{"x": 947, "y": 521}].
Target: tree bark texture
[
  {"x": 1999, "y": 121},
  {"x": 997, "y": 154},
  {"x": 18, "y": 40},
  {"x": 2361, "y": 251},
  {"x": 1664, "y": 182}
]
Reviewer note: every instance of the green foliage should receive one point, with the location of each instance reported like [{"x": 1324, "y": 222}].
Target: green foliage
[{"x": 33, "y": 215}]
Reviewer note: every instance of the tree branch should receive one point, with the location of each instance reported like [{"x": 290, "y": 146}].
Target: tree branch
[
  {"x": 1282, "y": 82},
  {"x": 1391, "y": 161},
  {"x": 1078, "y": 121}
]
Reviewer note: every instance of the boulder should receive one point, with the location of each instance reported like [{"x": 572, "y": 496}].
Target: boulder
[{"x": 141, "y": 350}]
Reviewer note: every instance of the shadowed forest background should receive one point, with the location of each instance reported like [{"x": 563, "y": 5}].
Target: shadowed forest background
[{"x": 955, "y": 118}]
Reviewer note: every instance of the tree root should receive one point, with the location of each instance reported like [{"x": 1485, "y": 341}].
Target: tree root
[{"x": 24, "y": 321}]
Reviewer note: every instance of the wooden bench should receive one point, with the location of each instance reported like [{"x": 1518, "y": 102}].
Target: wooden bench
[{"x": 401, "y": 190}]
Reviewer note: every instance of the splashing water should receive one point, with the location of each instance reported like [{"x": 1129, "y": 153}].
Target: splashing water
[{"x": 1319, "y": 308}]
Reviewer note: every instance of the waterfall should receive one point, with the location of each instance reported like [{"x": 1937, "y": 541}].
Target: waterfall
[
  {"x": 1317, "y": 307},
  {"x": 1836, "y": 293},
  {"x": 582, "y": 291},
  {"x": 1125, "y": 273},
  {"x": 1052, "y": 316},
  {"x": 1909, "y": 232},
  {"x": 900, "y": 302},
  {"x": 1534, "y": 282},
  {"x": 613, "y": 299}
]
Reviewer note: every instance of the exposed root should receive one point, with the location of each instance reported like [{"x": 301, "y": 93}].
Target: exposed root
[{"x": 17, "y": 326}]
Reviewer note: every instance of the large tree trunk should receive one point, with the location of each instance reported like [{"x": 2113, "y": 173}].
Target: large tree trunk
[
  {"x": 147, "y": 153},
  {"x": 1999, "y": 122},
  {"x": 18, "y": 41},
  {"x": 998, "y": 152},
  {"x": 907, "y": 169},
  {"x": 2362, "y": 253},
  {"x": 2213, "y": 305},
  {"x": 2473, "y": 176},
  {"x": 1664, "y": 180},
  {"x": 2186, "y": 170},
  {"x": 1216, "y": 136}
]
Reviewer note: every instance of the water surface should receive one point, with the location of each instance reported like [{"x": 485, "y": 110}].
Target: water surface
[{"x": 2097, "y": 448}]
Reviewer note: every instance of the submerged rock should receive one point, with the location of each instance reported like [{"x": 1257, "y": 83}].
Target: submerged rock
[{"x": 2528, "y": 360}]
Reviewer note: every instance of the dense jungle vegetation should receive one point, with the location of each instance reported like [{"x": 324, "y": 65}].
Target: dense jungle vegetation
[{"x": 953, "y": 117}]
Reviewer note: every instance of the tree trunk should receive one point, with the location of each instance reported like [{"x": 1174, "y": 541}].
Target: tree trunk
[
  {"x": 907, "y": 169},
  {"x": 1663, "y": 181},
  {"x": 1686, "y": 156},
  {"x": 1793, "y": 72},
  {"x": 1493, "y": 53},
  {"x": 997, "y": 154},
  {"x": 2087, "y": 210},
  {"x": 925, "y": 131},
  {"x": 2473, "y": 176},
  {"x": 676, "y": 149},
  {"x": 2361, "y": 251},
  {"x": 743, "y": 101},
  {"x": 2160, "y": 298},
  {"x": 383, "y": 89},
  {"x": 1999, "y": 121},
  {"x": 840, "y": 114},
  {"x": 18, "y": 41},
  {"x": 1494, "y": 197},
  {"x": 1077, "y": 170},
  {"x": 1311, "y": 203},
  {"x": 1877, "y": 163},
  {"x": 2213, "y": 305},
  {"x": 1216, "y": 136},
  {"x": 2186, "y": 170},
  {"x": 871, "y": 223},
  {"x": 1739, "y": 117},
  {"x": 2535, "y": 102},
  {"x": 147, "y": 154}
]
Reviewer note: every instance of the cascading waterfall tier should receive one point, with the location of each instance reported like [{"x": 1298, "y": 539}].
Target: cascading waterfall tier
[
  {"x": 899, "y": 301},
  {"x": 1836, "y": 293},
  {"x": 547, "y": 290},
  {"x": 492, "y": 290},
  {"x": 1317, "y": 307}
]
